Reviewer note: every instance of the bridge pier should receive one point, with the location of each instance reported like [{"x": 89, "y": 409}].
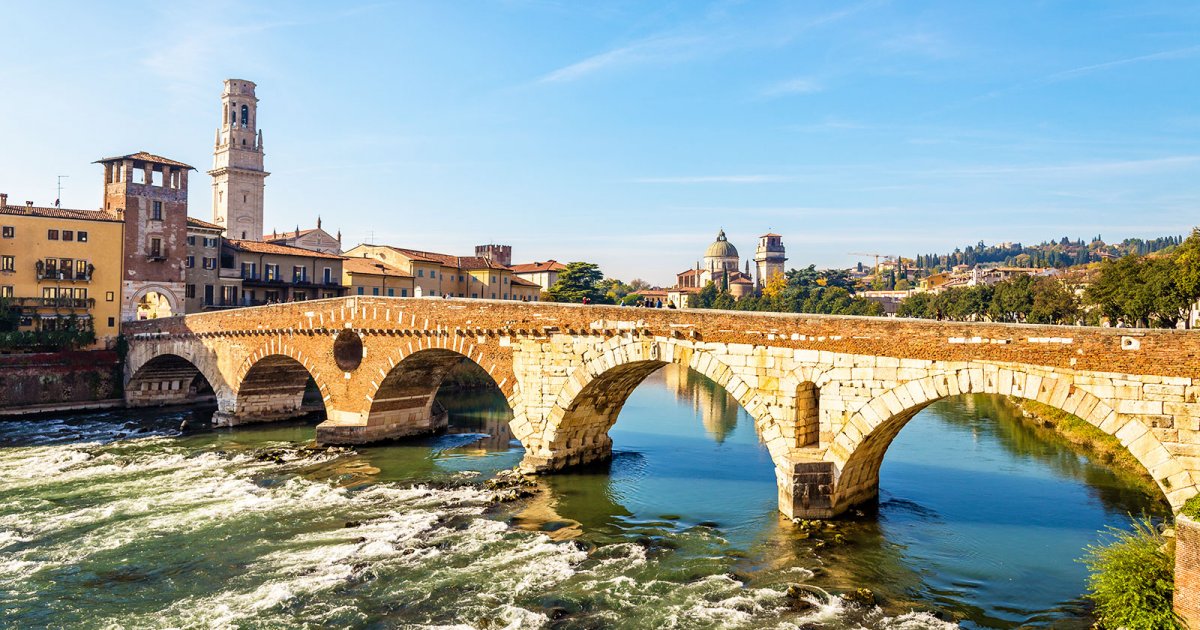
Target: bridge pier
[
  {"x": 354, "y": 428},
  {"x": 582, "y": 451}
]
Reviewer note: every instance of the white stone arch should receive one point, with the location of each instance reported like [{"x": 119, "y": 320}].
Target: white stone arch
[
  {"x": 624, "y": 362},
  {"x": 172, "y": 300},
  {"x": 858, "y": 449}
]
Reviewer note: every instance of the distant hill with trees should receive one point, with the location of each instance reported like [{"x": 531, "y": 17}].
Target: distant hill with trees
[{"x": 1061, "y": 253}]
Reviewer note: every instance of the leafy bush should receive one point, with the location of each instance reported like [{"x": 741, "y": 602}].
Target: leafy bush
[
  {"x": 1191, "y": 508},
  {"x": 1132, "y": 579}
]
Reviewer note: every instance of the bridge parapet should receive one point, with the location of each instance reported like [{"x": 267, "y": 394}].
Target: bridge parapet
[{"x": 827, "y": 393}]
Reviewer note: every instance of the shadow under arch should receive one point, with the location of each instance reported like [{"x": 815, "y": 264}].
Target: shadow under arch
[
  {"x": 168, "y": 379},
  {"x": 405, "y": 402},
  {"x": 274, "y": 387},
  {"x": 860, "y": 447}
]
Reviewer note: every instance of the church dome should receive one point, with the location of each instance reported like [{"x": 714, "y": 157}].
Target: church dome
[{"x": 722, "y": 248}]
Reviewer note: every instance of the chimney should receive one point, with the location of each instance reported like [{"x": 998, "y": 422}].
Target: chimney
[{"x": 3, "y": 200}]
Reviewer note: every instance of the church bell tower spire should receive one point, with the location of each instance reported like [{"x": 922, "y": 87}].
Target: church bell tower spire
[{"x": 238, "y": 175}]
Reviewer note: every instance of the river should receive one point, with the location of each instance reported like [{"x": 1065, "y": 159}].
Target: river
[{"x": 119, "y": 520}]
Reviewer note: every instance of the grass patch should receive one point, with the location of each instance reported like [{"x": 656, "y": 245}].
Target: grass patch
[{"x": 1132, "y": 580}]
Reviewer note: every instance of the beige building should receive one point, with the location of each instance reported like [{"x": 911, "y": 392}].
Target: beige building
[
  {"x": 57, "y": 264},
  {"x": 439, "y": 275},
  {"x": 254, "y": 273},
  {"x": 202, "y": 281},
  {"x": 543, "y": 274},
  {"x": 369, "y": 276},
  {"x": 315, "y": 239}
]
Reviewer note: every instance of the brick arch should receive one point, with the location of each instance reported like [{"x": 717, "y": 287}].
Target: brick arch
[
  {"x": 859, "y": 448},
  {"x": 405, "y": 393},
  {"x": 202, "y": 358},
  {"x": 270, "y": 382},
  {"x": 173, "y": 364},
  {"x": 576, "y": 429}
]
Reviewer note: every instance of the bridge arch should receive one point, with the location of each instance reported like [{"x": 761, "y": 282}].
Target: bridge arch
[
  {"x": 575, "y": 431},
  {"x": 404, "y": 400},
  {"x": 859, "y": 448},
  {"x": 171, "y": 378},
  {"x": 271, "y": 385}
]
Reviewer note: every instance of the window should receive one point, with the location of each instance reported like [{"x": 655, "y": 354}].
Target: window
[
  {"x": 228, "y": 295},
  {"x": 156, "y": 248},
  {"x": 299, "y": 274},
  {"x": 245, "y": 116},
  {"x": 328, "y": 277},
  {"x": 208, "y": 295},
  {"x": 391, "y": 292},
  {"x": 156, "y": 211},
  {"x": 81, "y": 269},
  {"x": 65, "y": 267},
  {"x": 189, "y": 291},
  {"x": 210, "y": 263},
  {"x": 360, "y": 290},
  {"x": 68, "y": 235},
  {"x": 249, "y": 271},
  {"x": 191, "y": 240},
  {"x": 272, "y": 272},
  {"x": 493, "y": 295},
  {"x": 80, "y": 294},
  {"x": 189, "y": 262},
  {"x": 374, "y": 290},
  {"x": 112, "y": 321},
  {"x": 108, "y": 297},
  {"x": 49, "y": 293},
  {"x": 6, "y": 291},
  {"x": 299, "y": 296},
  {"x": 210, "y": 242},
  {"x": 403, "y": 292},
  {"x": 420, "y": 273},
  {"x": 474, "y": 295},
  {"x": 9, "y": 231},
  {"x": 82, "y": 236},
  {"x": 52, "y": 235}
]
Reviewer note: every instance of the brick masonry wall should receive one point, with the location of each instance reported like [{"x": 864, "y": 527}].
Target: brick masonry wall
[
  {"x": 58, "y": 378},
  {"x": 1187, "y": 570}
]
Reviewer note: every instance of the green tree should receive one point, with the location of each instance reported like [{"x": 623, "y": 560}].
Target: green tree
[{"x": 578, "y": 281}]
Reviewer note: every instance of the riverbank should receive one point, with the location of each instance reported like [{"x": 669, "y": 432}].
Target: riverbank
[
  {"x": 53, "y": 381},
  {"x": 1085, "y": 439}
]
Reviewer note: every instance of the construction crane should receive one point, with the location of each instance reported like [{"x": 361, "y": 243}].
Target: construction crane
[{"x": 877, "y": 257}]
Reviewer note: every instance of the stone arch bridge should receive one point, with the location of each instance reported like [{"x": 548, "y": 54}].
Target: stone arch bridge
[{"x": 827, "y": 393}]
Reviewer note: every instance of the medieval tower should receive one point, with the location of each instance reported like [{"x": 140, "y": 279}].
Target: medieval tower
[
  {"x": 238, "y": 177},
  {"x": 769, "y": 257}
]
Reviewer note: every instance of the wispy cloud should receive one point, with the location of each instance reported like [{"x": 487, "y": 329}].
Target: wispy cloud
[
  {"x": 715, "y": 179},
  {"x": 1086, "y": 169},
  {"x": 798, "y": 85},
  {"x": 654, "y": 49}
]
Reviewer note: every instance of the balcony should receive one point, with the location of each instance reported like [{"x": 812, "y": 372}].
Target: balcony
[
  {"x": 157, "y": 254},
  {"x": 62, "y": 275},
  {"x": 43, "y": 302}
]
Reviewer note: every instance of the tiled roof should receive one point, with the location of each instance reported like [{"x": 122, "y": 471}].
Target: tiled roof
[
  {"x": 144, "y": 157},
  {"x": 60, "y": 213},
  {"x": 690, "y": 272},
  {"x": 446, "y": 260},
  {"x": 549, "y": 265},
  {"x": 521, "y": 282},
  {"x": 772, "y": 234},
  {"x": 271, "y": 248},
  {"x": 197, "y": 223},
  {"x": 372, "y": 266},
  {"x": 283, "y": 236}
]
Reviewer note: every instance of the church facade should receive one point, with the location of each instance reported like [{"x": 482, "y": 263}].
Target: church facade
[{"x": 722, "y": 266}]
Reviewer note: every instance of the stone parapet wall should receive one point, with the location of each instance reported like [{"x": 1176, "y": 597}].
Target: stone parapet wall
[{"x": 62, "y": 379}]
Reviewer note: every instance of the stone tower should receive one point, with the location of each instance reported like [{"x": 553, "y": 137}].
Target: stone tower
[
  {"x": 149, "y": 193},
  {"x": 238, "y": 175},
  {"x": 769, "y": 257}
]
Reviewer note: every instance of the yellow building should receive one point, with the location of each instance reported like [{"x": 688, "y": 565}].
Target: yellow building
[
  {"x": 56, "y": 264},
  {"x": 438, "y": 275},
  {"x": 369, "y": 276}
]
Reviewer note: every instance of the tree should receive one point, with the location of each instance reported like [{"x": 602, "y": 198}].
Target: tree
[
  {"x": 637, "y": 284},
  {"x": 578, "y": 281}
]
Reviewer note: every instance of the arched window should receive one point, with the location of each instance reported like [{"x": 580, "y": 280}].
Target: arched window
[
  {"x": 233, "y": 114},
  {"x": 245, "y": 116}
]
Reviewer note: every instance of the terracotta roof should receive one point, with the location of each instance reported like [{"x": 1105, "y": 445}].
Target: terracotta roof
[
  {"x": 282, "y": 236},
  {"x": 521, "y": 282},
  {"x": 549, "y": 265},
  {"x": 372, "y": 266},
  {"x": 446, "y": 260},
  {"x": 271, "y": 248},
  {"x": 690, "y": 272},
  {"x": 60, "y": 213},
  {"x": 197, "y": 223},
  {"x": 771, "y": 234},
  {"x": 144, "y": 157}
]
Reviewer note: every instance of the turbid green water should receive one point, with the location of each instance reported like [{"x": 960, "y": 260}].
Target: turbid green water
[{"x": 117, "y": 520}]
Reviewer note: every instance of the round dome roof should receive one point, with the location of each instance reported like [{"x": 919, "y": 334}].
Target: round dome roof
[{"x": 722, "y": 248}]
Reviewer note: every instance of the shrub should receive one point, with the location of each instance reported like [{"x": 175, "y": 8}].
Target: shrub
[{"x": 1132, "y": 579}]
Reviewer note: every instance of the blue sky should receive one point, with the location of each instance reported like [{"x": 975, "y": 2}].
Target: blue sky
[{"x": 627, "y": 133}]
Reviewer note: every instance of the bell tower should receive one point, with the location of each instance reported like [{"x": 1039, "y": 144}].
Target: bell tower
[
  {"x": 238, "y": 177},
  {"x": 769, "y": 257}
]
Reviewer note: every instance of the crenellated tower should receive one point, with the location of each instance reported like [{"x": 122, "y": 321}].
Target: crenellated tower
[{"x": 238, "y": 175}]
